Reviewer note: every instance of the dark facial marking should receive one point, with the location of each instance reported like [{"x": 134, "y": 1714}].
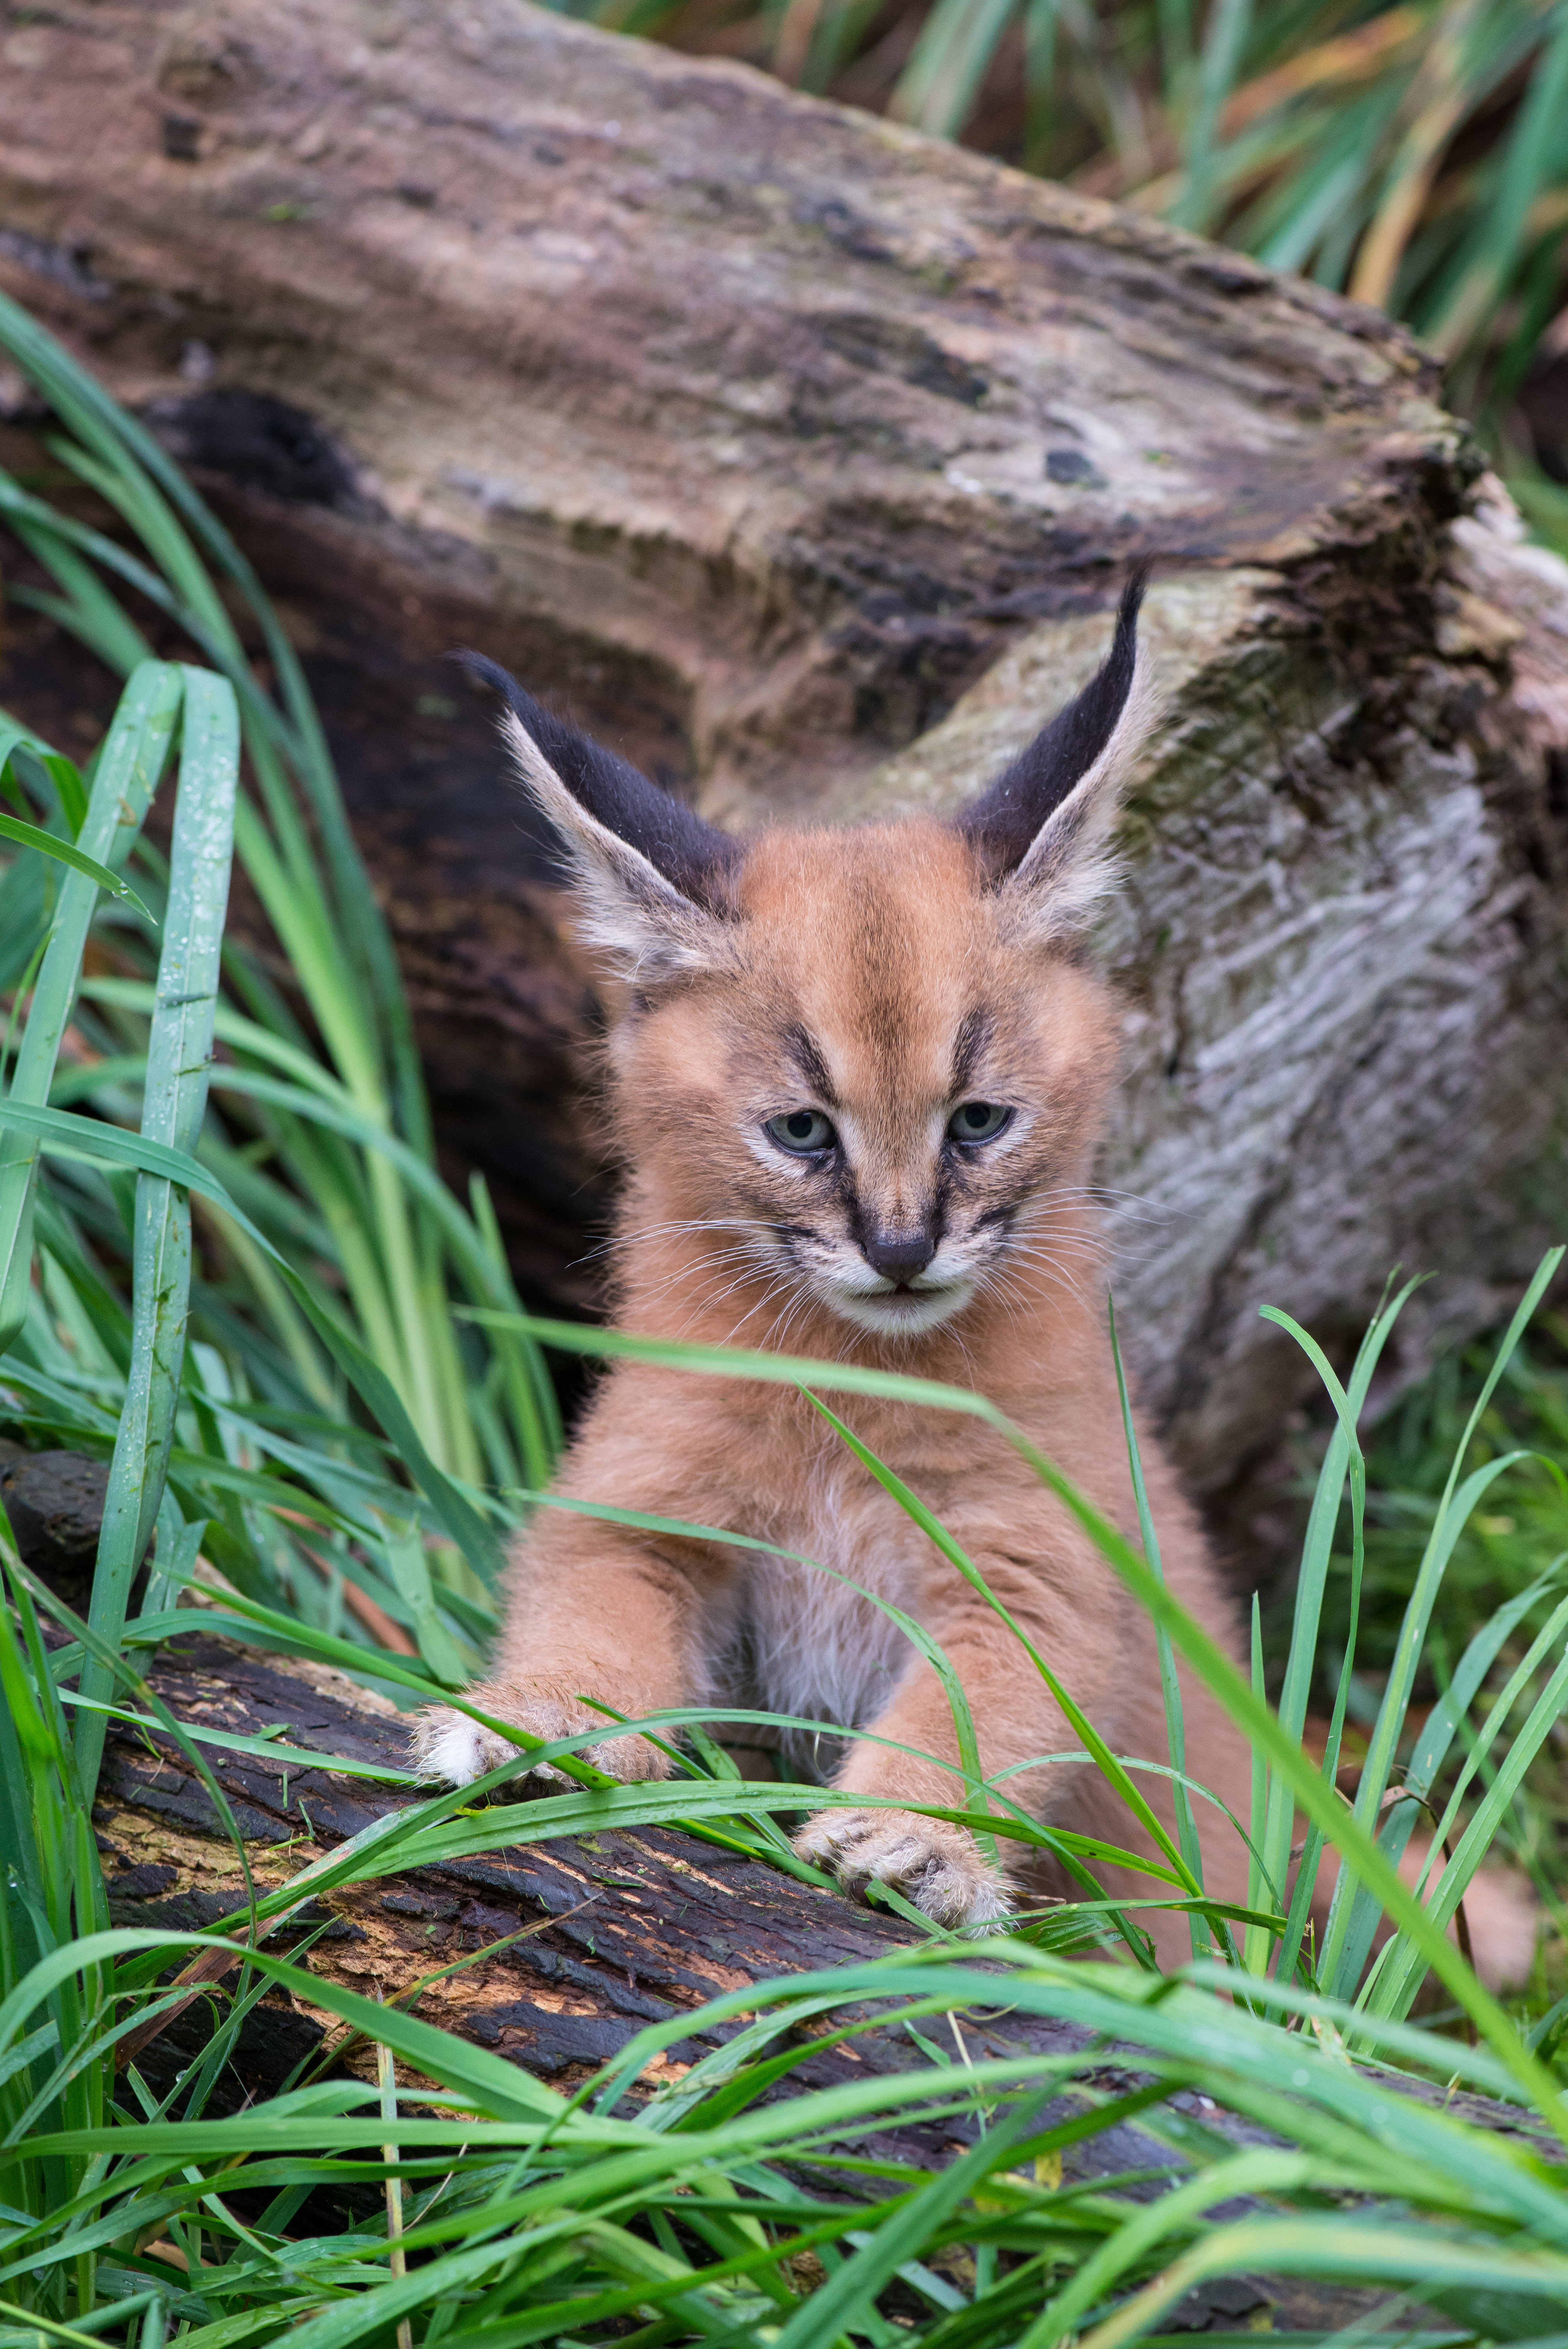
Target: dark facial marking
[
  {"x": 810, "y": 1065},
  {"x": 941, "y": 1199},
  {"x": 975, "y": 1033},
  {"x": 1004, "y": 1214},
  {"x": 848, "y": 1200}
]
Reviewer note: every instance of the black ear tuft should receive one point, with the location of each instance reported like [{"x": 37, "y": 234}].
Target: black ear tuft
[
  {"x": 1007, "y": 817},
  {"x": 695, "y": 857}
]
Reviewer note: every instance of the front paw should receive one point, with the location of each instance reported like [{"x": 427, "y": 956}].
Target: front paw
[
  {"x": 450, "y": 1748},
  {"x": 935, "y": 1866}
]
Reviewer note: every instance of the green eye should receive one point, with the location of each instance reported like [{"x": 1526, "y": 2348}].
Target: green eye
[
  {"x": 803, "y": 1132},
  {"x": 978, "y": 1121}
]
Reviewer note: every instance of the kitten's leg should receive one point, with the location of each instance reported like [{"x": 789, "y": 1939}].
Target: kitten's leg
[
  {"x": 937, "y": 1865},
  {"x": 593, "y": 1613}
]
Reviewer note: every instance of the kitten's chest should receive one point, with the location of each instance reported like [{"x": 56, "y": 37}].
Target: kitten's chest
[{"x": 815, "y": 1642}]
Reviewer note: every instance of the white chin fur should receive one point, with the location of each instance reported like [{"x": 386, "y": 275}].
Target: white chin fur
[{"x": 899, "y": 1313}]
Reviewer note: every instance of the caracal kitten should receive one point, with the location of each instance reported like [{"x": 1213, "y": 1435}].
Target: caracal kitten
[{"x": 858, "y": 1077}]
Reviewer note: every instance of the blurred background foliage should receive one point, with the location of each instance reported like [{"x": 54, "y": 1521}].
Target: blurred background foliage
[{"x": 1415, "y": 157}]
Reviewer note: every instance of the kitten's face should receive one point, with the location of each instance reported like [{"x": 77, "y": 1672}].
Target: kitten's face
[{"x": 885, "y": 1090}]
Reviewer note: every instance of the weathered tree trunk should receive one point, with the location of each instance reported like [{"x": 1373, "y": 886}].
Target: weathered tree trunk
[{"x": 802, "y": 456}]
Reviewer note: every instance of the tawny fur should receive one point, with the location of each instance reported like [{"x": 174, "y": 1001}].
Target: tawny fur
[{"x": 882, "y": 977}]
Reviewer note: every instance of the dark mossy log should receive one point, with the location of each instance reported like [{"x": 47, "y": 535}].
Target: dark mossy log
[
  {"x": 53, "y": 1505},
  {"x": 619, "y": 1929},
  {"x": 629, "y": 1927},
  {"x": 803, "y": 456}
]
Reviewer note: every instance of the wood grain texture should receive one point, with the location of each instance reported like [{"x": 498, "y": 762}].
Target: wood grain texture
[{"x": 802, "y": 456}]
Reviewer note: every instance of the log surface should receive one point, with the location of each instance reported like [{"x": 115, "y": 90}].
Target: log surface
[
  {"x": 802, "y": 457},
  {"x": 622, "y": 1930}
]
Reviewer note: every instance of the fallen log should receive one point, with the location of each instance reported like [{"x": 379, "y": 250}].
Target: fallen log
[
  {"x": 802, "y": 456},
  {"x": 604, "y": 1934}
]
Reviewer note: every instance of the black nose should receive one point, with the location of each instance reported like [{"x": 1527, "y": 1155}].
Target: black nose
[{"x": 899, "y": 1256}]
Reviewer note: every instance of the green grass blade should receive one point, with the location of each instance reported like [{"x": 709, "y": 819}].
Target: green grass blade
[
  {"x": 265, "y": 1749},
  {"x": 1372, "y": 2251},
  {"x": 1352, "y": 1916},
  {"x": 1218, "y": 65},
  {"x": 14, "y": 734},
  {"x": 332, "y": 927},
  {"x": 89, "y": 1138},
  {"x": 1351, "y": 1907},
  {"x": 841, "y": 2305},
  {"x": 126, "y": 446},
  {"x": 1342, "y": 1462},
  {"x": 404, "y": 1547},
  {"x": 1437, "y": 1734},
  {"x": 86, "y": 610},
  {"x": 915, "y": 1509},
  {"x": 62, "y": 1130},
  {"x": 132, "y": 759},
  {"x": 180, "y": 1051},
  {"x": 957, "y": 42},
  {"x": 1534, "y": 154},
  {"x": 1431, "y": 1751},
  {"x": 1258, "y": 2171},
  {"x": 1401, "y": 1974},
  {"x": 1170, "y": 1684},
  {"x": 31, "y": 835}
]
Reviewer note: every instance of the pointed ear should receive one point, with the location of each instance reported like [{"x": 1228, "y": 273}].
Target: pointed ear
[
  {"x": 1041, "y": 831},
  {"x": 650, "y": 877}
]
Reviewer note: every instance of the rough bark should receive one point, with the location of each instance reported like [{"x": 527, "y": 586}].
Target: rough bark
[
  {"x": 621, "y": 1928},
  {"x": 802, "y": 456}
]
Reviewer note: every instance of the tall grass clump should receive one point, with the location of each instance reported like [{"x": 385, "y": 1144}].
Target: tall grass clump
[
  {"x": 1413, "y": 155},
  {"x": 334, "y": 1413},
  {"x": 1511, "y": 1545},
  {"x": 224, "y": 1247}
]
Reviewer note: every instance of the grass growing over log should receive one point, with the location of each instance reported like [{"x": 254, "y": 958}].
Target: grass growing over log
[
  {"x": 1412, "y": 155},
  {"x": 242, "y": 1280},
  {"x": 1518, "y": 1534}
]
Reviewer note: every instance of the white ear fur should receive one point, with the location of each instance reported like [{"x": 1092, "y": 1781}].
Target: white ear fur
[
  {"x": 1068, "y": 866},
  {"x": 624, "y": 905}
]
